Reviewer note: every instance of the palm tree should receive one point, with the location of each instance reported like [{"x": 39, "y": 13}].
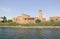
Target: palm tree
[{"x": 4, "y": 19}]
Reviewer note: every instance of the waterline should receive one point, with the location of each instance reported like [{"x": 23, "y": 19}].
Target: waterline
[{"x": 31, "y": 26}]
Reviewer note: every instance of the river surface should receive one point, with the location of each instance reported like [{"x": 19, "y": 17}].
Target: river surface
[{"x": 29, "y": 33}]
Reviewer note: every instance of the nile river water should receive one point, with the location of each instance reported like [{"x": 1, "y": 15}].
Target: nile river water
[{"x": 29, "y": 33}]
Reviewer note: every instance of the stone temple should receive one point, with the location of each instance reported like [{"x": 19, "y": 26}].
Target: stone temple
[{"x": 25, "y": 19}]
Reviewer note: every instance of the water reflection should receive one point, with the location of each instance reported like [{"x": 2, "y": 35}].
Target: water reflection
[{"x": 23, "y": 33}]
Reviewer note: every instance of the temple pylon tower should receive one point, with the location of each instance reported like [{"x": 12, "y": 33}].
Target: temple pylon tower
[{"x": 40, "y": 15}]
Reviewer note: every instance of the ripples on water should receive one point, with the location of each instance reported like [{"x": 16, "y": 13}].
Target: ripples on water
[{"x": 23, "y": 33}]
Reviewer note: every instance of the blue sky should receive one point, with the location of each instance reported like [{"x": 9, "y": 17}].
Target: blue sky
[{"x": 13, "y": 8}]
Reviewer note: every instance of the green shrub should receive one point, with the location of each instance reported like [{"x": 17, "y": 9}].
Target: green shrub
[
  {"x": 38, "y": 21},
  {"x": 9, "y": 21}
]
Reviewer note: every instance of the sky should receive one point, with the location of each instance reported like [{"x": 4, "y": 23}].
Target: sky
[{"x": 14, "y": 8}]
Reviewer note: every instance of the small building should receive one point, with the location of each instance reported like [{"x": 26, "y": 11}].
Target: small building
[{"x": 55, "y": 18}]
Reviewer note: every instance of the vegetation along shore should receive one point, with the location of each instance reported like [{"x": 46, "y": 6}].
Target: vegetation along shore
[{"x": 6, "y": 22}]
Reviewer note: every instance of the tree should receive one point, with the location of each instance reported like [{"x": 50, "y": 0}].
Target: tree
[
  {"x": 38, "y": 21},
  {"x": 4, "y": 19}
]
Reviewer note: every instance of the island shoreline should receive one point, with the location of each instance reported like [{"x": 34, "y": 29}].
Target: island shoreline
[{"x": 31, "y": 26}]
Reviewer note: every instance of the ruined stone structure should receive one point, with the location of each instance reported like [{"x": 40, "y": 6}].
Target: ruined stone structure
[
  {"x": 55, "y": 18},
  {"x": 41, "y": 17},
  {"x": 25, "y": 19}
]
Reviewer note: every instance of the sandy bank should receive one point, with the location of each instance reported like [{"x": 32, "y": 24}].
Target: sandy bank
[{"x": 31, "y": 26}]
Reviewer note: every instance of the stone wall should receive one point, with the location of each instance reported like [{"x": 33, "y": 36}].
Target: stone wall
[{"x": 55, "y": 18}]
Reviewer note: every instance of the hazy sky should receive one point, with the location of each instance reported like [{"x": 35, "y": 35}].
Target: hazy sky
[{"x": 13, "y": 8}]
